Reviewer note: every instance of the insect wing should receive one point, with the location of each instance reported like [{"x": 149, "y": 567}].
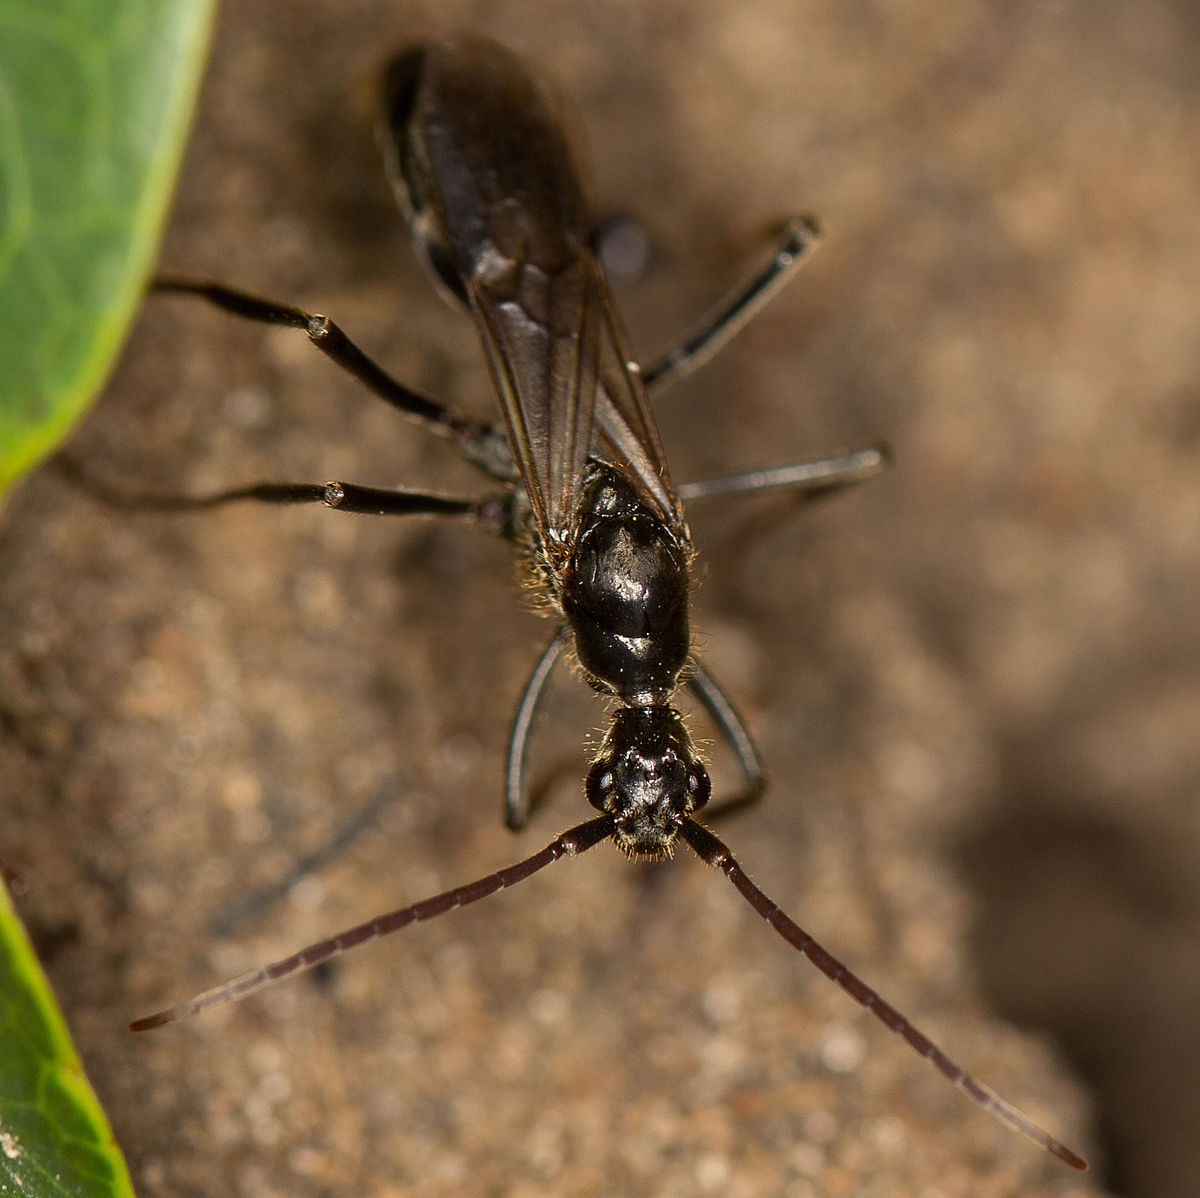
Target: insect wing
[
  {"x": 560, "y": 362},
  {"x": 542, "y": 354},
  {"x": 625, "y": 433}
]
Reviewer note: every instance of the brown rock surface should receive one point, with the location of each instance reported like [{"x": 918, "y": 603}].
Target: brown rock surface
[{"x": 979, "y": 671}]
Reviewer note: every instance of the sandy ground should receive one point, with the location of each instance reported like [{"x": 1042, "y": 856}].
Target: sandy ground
[{"x": 974, "y": 680}]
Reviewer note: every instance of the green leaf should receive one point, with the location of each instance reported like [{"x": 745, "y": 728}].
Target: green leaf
[
  {"x": 95, "y": 97},
  {"x": 54, "y": 1138}
]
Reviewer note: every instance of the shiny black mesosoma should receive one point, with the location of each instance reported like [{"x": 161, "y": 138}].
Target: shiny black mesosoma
[{"x": 485, "y": 176}]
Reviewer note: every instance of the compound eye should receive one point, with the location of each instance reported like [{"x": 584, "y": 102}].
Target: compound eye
[
  {"x": 601, "y": 782},
  {"x": 699, "y": 787}
]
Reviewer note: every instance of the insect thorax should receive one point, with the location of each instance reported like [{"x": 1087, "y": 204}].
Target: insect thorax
[{"x": 625, "y": 592}]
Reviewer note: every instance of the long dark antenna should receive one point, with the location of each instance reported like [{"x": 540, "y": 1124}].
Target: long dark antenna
[
  {"x": 711, "y": 849},
  {"x": 572, "y": 842}
]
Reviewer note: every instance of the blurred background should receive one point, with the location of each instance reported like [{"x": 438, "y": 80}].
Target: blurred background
[{"x": 973, "y": 680}]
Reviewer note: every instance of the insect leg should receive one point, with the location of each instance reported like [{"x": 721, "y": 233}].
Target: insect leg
[
  {"x": 812, "y": 478},
  {"x": 492, "y": 511},
  {"x": 517, "y": 804},
  {"x": 483, "y": 445},
  {"x": 718, "y": 705},
  {"x": 800, "y": 235}
]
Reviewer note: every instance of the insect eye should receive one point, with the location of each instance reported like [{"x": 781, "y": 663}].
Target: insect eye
[{"x": 601, "y": 781}]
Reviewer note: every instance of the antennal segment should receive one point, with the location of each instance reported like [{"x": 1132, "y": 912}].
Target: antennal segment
[
  {"x": 572, "y": 842},
  {"x": 711, "y": 849}
]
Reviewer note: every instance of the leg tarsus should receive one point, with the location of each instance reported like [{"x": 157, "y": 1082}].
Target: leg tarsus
[
  {"x": 148, "y": 501},
  {"x": 812, "y": 479}
]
